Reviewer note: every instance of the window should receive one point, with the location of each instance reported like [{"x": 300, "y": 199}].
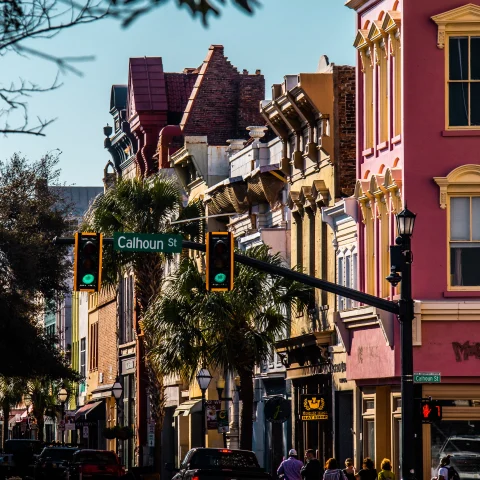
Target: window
[
  {"x": 83, "y": 356},
  {"x": 127, "y": 310},
  {"x": 93, "y": 356},
  {"x": 464, "y": 81},
  {"x": 368, "y": 433},
  {"x": 464, "y": 241}
]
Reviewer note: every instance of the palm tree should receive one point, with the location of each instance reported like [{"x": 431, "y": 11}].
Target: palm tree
[
  {"x": 143, "y": 206},
  {"x": 233, "y": 331},
  {"x": 11, "y": 393}
]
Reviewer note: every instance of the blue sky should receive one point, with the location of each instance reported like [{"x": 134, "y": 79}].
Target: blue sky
[{"x": 283, "y": 37}]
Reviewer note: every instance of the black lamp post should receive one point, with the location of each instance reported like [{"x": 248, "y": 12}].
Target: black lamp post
[
  {"x": 203, "y": 379},
  {"x": 62, "y": 398},
  {"x": 117, "y": 392},
  {"x": 401, "y": 261}
]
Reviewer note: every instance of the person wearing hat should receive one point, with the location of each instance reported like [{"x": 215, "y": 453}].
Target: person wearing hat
[{"x": 291, "y": 467}]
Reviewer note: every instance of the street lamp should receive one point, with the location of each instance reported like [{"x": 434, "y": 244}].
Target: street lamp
[
  {"x": 117, "y": 390},
  {"x": 27, "y": 400},
  {"x": 401, "y": 262},
  {"x": 220, "y": 387},
  {"x": 203, "y": 379},
  {"x": 62, "y": 396}
]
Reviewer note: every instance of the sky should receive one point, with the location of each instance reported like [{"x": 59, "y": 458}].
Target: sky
[{"x": 283, "y": 37}]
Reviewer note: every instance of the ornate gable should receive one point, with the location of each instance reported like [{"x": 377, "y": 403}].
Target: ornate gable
[
  {"x": 376, "y": 31},
  {"x": 458, "y": 20},
  {"x": 392, "y": 21},
  {"x": 361, "y": 40}
]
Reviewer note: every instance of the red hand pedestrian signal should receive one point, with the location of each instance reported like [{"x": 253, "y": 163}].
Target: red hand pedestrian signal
[{"x": 431, "y": 411}]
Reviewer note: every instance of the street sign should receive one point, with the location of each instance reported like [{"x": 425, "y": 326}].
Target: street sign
[
  {"x": 145, "y": 242},
  {"x": 151, "y": 434},
  {"x": 427, "y": 377}
]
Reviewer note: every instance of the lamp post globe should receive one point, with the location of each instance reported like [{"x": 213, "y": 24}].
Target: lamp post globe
[
  {"x": 117, "y": 390},
  {"x": 204, "y": 378},
  {"x": 62, "y": 395},
  {"x": 405, "y": 222}
]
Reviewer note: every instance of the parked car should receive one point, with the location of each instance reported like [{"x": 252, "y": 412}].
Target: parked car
[
  {"x": 52, "y": 462},
  {"x": 94, "y": 465},
  {"x": 18, "y": 457},
  {"x": 464, "y": 451},
  {"x": 220, "y": 464}
]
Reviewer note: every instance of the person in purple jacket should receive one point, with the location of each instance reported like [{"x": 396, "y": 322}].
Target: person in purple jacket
[{"x": 290, "y": 468}]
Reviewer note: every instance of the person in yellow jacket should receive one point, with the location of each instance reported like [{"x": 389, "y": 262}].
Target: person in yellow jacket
[{"x": 386, "y": 471}]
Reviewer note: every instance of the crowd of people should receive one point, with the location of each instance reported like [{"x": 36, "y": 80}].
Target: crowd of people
[{"x": 294, "y": 469}]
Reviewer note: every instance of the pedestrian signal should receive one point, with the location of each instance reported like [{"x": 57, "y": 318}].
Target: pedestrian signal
[
  {"x": 431, "y": 411},
  {"x": 220, "y": 251},
  {"x": 87, "y": 264}
]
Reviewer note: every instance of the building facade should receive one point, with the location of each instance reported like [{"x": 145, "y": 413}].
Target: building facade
[{"x": 416, "y": 129}]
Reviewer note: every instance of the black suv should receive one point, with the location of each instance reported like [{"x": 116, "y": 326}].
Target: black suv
[{"x": 52, "y": 462}]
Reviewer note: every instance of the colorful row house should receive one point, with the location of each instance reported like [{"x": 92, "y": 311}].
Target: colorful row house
[{"x": 417, "y": 130}]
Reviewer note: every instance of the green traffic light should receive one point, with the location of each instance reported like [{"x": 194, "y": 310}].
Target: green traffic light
[
  {"x": 88, "y": 279},
  {"x": 220, "y": 277}
]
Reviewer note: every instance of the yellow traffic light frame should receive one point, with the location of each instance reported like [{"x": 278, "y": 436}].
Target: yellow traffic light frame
[
  {"x": 230, "y": 240},
  {"x": 78, "y": 236}
]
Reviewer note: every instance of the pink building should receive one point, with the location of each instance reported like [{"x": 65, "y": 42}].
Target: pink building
[{"x": 418, "y": 131}]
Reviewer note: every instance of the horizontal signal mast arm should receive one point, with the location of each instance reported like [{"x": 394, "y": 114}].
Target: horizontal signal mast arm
[
  {"x": 381, "y": 303},
  {"x": 355, "y": 295}
]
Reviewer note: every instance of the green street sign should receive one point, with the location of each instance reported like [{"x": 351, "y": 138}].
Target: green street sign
[
  {"x": 145, "y": 242},
  {"x": 423, "y": 377}
]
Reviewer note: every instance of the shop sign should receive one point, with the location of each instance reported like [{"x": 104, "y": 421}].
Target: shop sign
[
  {"x": 277, "y": 410},
  {"x": 222, "y": 421},
  {"x": 85, "y": 432},
  {"x": 313, "y": 407},
  {"x": 211, "y": 409},
  {"x": 424, "y": 377}
]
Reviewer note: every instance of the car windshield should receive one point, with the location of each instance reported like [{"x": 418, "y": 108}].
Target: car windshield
[
  {"x": 462, "y": 445},
  {"x": 223, "y": 459},
  {"x": 96, "y": 458},
  {"x": 58, "y": 453}
]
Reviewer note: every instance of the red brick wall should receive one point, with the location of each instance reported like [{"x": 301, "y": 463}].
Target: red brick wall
[
  {"x": 224, "y": 101},
  {"x": 107, "y": 337},
  {"x": 344, "y": 87}
]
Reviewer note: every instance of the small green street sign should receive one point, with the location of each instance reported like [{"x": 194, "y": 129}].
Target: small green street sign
[
  {"x": 424, "y": 377},
  {"x": 146, "y": 242}
]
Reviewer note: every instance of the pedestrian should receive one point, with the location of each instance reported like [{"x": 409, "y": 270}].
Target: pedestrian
[
  {"x": 446, "y": 471},
  {"x": 386, "y": 470},
  {"x": 332, "y": 472},
  {"x": 290, "y": 468},
  {"x": 312, "y": 470},
  {"x": 349, "y": 470},
  {"x": 368, "y": 471}
]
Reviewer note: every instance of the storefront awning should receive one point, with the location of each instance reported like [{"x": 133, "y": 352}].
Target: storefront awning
[
  {"x": 90, "y": 411},
  {"x": 188, "y": 407},
  {"x": 103, "y": 392}
]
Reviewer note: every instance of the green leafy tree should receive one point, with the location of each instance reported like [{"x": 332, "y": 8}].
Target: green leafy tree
[
  {"x": 33, "y": 269},
  {"x": 12, "y": 390},
  {"x": 232, "y": 331},
  {"x": 146, "y": 206}
]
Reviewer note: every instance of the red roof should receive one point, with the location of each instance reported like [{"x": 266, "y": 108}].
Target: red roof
[
  {"x": 179, "y": 86},
  {"x": 146, "y": 85}
]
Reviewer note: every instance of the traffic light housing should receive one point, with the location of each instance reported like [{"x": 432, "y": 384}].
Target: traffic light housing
[
  {"x": 87, "y": 268},
  {"x": 220, "y": 262},
  {"x": 431, "y": 411}
]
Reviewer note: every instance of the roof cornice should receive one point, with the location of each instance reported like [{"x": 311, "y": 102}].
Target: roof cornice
[{"x": 355, "y": 4}]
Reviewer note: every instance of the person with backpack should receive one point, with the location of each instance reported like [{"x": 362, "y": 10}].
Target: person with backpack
[
  {"x": 446, "y": 471},
  {"x": 332, "y": 472}
]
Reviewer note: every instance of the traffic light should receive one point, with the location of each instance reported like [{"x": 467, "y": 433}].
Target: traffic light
[
  {"x": 219, "y": 261},
  {"x": 87, "y": 268},
  {"x": 431, "y": 411}
]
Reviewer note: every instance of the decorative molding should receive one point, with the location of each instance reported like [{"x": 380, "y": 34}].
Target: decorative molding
[
  {"x": 463, "y": 179},
  {"x": 458, "y": 20}
]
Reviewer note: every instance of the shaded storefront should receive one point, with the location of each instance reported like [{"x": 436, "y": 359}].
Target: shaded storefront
[{"x": 90, "y": 421}]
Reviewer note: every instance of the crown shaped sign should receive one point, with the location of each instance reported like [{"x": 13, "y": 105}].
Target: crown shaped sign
[{"x": 314, "y": 403}]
